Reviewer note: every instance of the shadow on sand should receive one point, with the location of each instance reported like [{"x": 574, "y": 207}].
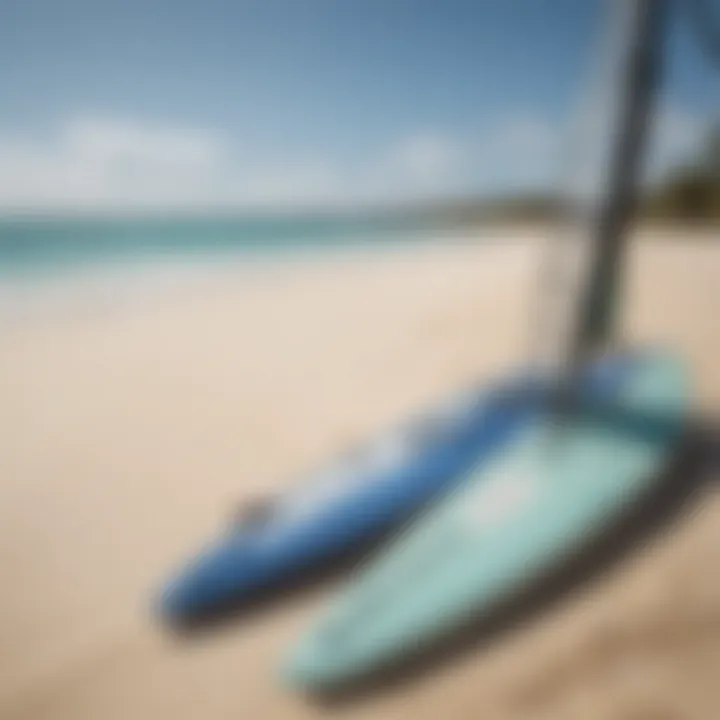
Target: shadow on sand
[{"x": 695, "y": 466}]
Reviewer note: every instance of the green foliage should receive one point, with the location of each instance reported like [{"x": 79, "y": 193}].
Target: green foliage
[{"x": 692, "y": 192}]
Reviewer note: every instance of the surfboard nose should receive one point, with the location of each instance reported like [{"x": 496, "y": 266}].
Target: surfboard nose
[
  {"x": 177, "y": 601},
  {"x": 208, "y": 584}
]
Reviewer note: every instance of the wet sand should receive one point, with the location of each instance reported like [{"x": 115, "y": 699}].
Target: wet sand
[{"x": 129, "y": 432}]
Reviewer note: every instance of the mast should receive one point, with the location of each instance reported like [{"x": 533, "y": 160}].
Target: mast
[{"x": 638, "y": 78}]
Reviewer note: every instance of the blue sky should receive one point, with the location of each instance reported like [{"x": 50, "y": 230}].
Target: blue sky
[{"x": 257, "y": 102}]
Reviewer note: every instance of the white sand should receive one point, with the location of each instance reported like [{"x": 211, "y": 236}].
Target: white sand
[{"x": 126, "y": 434}]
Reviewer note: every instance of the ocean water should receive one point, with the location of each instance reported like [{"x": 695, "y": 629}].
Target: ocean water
[
  {"x": 41, "y": 244},
  {"x": 60, "y": 265}
]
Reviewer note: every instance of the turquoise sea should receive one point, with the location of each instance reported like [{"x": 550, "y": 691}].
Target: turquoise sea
[
  {"x": 42, "y": 244},
  {"x": 64, "y": 266}
]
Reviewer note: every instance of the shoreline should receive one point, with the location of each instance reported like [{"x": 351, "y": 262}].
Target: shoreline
[
  {"x": 72, "y": 290},
  {"x": 49, "y": 291}
]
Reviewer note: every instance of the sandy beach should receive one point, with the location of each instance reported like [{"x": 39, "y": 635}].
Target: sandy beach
[{"x": 129, "y": 431}]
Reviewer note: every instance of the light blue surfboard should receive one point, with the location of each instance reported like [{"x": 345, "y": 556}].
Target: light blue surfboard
[{"x": 541, "y": 499}]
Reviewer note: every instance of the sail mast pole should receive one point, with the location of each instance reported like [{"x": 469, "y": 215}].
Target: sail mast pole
[{"x": 638, "y": 81}]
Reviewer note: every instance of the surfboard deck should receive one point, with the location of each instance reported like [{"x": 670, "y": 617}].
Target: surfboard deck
[{"x": 553, "y": 489}]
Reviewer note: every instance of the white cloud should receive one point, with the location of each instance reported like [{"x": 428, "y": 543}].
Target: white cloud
[
  {"x": 516, "y": 152},
  {"x": 677, "y": 138},
  {"x": 526, "y": 151},
  {"x": 111, "y": 141},
  {"x": 414, "y": 165},
  {"x": 100, "y": 163},
  {"x": 287, "y": 183},
  {"x": 425, "y": 160},
  {"x": 92, "y": 162},
  {"x": 95, "y": 163}
]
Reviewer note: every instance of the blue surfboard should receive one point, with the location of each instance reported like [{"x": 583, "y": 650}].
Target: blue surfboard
[{"x": 345, "y": 508}]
